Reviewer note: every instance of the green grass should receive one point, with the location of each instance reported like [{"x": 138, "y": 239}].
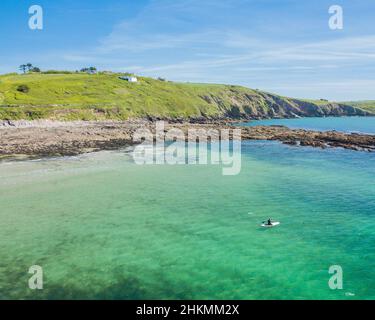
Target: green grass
[
  {"x": 80, "y": 96},
  {"x": 319, "y": 102},
  {"x": 83, "y": 96},
  {"x": 368, "y": 105}
]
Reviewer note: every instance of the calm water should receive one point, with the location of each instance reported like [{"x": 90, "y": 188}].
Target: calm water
[
  {"x": 345, "y": 124},
  {"x": 104, "y": 227}
]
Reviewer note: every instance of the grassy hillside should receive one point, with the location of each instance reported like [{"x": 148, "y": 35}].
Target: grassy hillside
[
  {"x": 104, "y": 96},
  {"x": 368, "y": 105}
]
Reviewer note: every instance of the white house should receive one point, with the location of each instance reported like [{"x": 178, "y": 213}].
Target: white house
[{"x": 129, "y": 78}]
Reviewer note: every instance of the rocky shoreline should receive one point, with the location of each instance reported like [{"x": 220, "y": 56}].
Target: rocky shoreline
[
  {"x": 35, "y": 139},
  {"x": 317, "y": 139}
]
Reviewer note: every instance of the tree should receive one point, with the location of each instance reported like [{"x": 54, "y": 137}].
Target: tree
[
  {"x": 89, "y": 70},
  {"x": 26, "y": 67},
  {"x": 35, "y": 69},
  {"x": 23, "y": 68}
]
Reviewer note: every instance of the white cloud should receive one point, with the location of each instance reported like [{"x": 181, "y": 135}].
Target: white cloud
[{"x": 162, "y": 40}]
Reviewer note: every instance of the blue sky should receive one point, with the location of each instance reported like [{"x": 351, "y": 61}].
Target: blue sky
[{"x": 281, "y": 46}]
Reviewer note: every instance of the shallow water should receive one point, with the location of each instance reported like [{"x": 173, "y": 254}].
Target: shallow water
[
  {"x": 344, "y": 124},
  {"x": 104, "y": 227}
]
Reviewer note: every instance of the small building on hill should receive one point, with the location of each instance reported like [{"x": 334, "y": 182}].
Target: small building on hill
[{"x": 129, "y": 78}]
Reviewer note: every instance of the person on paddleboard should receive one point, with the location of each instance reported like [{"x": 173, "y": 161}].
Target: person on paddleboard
[{"x": 269, "y": 222}]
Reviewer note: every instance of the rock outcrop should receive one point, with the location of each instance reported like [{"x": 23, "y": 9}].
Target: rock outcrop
[{"x": 46, "y": 139}]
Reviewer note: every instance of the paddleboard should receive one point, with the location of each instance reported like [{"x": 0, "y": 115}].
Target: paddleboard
[{"x": 274, "y": 224}]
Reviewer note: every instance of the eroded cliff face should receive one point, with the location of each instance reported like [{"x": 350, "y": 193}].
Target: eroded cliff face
[{"x": 265, "y": 105}]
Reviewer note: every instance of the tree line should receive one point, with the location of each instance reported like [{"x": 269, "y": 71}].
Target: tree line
[{"x": 28, "y": 67}]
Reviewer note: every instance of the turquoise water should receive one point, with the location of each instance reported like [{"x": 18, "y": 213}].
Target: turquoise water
[
  {"x": 104, "y": 227},
  {"x": 344, "y": 124}
]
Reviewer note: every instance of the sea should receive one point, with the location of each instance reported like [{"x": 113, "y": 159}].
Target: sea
[{"x": 101, "y": 226}]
